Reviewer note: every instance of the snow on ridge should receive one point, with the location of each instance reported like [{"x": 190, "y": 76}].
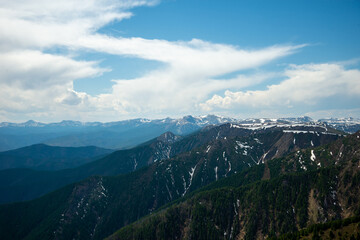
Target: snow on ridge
[
  {"x": 243, "y": 145},
  {"x": 295, "y": 131},
  {"x": 258, "y": 141},
  {"x": 191, "y": 173},
  {"x": 208, "y": 148}
]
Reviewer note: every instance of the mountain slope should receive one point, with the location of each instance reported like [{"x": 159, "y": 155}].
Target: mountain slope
[
  {"x": 43, "y": 157},
  {"x": 25, "y": 184},
  {"x": 98, "y": 206},
  {"x": 274, "y": 141},
  {"x": 348, "y": 228},
  {"x": 240, "y": 207}
]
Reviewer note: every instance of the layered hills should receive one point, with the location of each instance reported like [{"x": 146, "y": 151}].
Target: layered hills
[
  {"x": 229, "y": 155},
  {"x": 274, "y": 141},
  {"x": 111, "y": 135},
  {"x": 44, "y": 157}
]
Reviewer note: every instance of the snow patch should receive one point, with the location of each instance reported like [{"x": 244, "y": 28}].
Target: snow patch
[
  {"x": 208, "y": 148},
  {"x": 313, "y": 157},
  {"x": 191, "y": 173},
  {"x": 294, "y": 131},
  {"x": 234, "y": 126},
  {"x": 135, "y": 163},
  {"x": 264, "y": 156},
  {"x": 229, "y": 169},
  {"x": 258, "y": 141}
]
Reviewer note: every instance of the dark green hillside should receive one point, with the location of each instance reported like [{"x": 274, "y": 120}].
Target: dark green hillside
[
  {"x": 26, "y": 184},
  {"x": 294, "y": 198},
  {"x": 348, "y": 228},
  {"x": 43, "y": 157}
]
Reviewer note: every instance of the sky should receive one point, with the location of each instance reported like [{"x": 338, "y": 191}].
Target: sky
[{"x": 110, "y": 60}]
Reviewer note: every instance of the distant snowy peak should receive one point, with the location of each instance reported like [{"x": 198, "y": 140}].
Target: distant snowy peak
[
  {"x": 30, "y": 123},
  {"x": 348, "y": 121},
  {"x": 349, "y": 125},
  {"x": 191, "y": 123},
  {"x": 278, "y": 124},
  {"x": 303, "y": 119},
  {"x": 207, "y": 120}
]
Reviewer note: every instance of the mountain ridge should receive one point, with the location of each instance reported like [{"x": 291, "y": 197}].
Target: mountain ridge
[
  {"x": 129, "y": 133},
  {"x": 44, "y": 157},
  {"x": 98, "y": 206},
  {"x": 258, "y": 209}
]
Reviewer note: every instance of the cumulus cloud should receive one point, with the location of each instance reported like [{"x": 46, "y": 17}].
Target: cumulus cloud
[
  {"x": 30, "y": 69},
  {"x": 170, "y": 90},
  {"x": 41, "y": 23},
  {"x": 304, "y": 84},
  {"x": 36, "y": 83}
]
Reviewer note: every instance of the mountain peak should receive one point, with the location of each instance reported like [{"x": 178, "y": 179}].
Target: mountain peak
[{"x": 168, "y": 137}]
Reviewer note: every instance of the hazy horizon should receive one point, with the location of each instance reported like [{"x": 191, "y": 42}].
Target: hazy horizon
[{"x": 175, "y": 118}]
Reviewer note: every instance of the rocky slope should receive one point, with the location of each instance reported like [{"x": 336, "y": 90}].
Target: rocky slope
[{"x": 283, "y": 195}]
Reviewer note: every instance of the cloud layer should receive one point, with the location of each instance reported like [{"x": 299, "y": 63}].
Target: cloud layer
[
  {"x": 37, "y": 83},
  {"x": 304, "y": 85}
]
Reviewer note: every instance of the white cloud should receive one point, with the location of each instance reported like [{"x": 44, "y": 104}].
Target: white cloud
[
  {"x": 169, "y": 90},
  {"x": 37, "y": 84},
  {"x": 41, "y": 23},
  {"x": 304, "y": 85},
  {"x": 28, "y": 69},
  {"x": 34, "y": 82},
  {"x": 196, "y": 56}
]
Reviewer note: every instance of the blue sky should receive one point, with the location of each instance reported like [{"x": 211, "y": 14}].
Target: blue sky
[{"x": 111, "y": 60}]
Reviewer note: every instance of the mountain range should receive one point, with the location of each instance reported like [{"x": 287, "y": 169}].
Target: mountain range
[
  {"x": 130, "y": 133},
  {"x": 275, "y": 140},
  {"x": 112, "y": 135},
  {"x": 176, "y": 169}
]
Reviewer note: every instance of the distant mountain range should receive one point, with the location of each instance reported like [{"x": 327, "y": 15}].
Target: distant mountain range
[
  {"x": 112, "y": 135},
  {"x": 129, "y": 133}
]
